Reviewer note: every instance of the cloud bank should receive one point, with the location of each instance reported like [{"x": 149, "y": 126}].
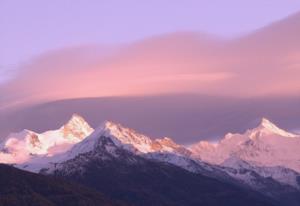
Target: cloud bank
[{"x": 264, "y": 63}]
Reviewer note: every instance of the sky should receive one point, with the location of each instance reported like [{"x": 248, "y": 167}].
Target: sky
[
  {"x": 244, "y": 51},
  {"x": 263, "y": 63},
  {"x": 185, "y": 118},
  {"x": 32, "y": 27}
]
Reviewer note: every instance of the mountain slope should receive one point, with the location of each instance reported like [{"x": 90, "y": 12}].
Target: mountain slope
[
  {"x": 23, "y": 146},
  {"x": 20, "y": 188},
  {"x": 124, "y": 175},
  {"x": 265, "y": 145},
  {"x": 124, "y": 138},
  {"x": 281, "y": 174},
  {"x": 114, "y": 149},
  {"x": 258, "y": 157},
  {"x": 279, "y": 183}
]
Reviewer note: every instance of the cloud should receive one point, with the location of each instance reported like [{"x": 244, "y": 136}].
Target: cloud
[{"x": 264, "y": 63}]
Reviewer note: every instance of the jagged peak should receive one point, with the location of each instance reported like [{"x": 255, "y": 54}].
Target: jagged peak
[
  {"x": 129, "y": 138},
  {"x": 266, "y": 126},
  {"x": 76, "y": 126},
  {"x": 266, "y": 123},
  {"x": 118, "y": 129},
  {"x": 76, "y": 119},
  {"x": 123, "y": 135},
  {"x": 110, "y": 125},
  {"x": 112, "y": 128}
]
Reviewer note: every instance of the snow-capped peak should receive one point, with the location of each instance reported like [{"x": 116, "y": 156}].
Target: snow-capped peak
[
  {"x": 76, "y": 126},
  {"x": 121, "y": 136},
  {"x": 265, "y": 145},
  {"x": 124, "y": 138},
  {"x": 267, "y": 127},
  {"x": 109, "y": 137},
  {"x": 76, "y": 119},
  {"x": 132, "y": 139},
  {"x": 22, "y": 146},
  {"x": 267, "y": 123}
]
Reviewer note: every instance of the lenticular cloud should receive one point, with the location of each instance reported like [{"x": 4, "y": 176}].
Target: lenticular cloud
[{"x": 264, "y": 63}]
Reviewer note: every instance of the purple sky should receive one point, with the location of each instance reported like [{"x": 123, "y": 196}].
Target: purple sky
[
  {"x": 31, "y": 27},
  {"x": 58, "y": 44}
]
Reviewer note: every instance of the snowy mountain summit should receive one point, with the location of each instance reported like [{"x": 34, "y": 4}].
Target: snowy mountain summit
[
  {"x": 76, "y": 127},
  {"x": 23, "y": 146},
  {"x": 265, "y": 145},
  {"x": 266, "y": 127},
  {"x": 123, "y": 138},
  {"x": 128, "y": 139},
  {"x": 260, "y": 153},
  {"x": 76, "y": 137}
]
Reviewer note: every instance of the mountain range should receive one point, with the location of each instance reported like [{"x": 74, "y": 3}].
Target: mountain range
[
  {"x": 216, "y": 69},
  {"x": 260, "y": 166}
]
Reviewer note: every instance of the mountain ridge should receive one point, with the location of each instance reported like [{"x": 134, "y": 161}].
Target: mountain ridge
[
  {"x": 137, "y": 142},
  {"x": 265, "y": 145},
  {"x": 108, "y": 141}
]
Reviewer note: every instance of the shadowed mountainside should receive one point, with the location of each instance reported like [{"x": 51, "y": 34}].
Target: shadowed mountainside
[{"x": 20, "y": 188}]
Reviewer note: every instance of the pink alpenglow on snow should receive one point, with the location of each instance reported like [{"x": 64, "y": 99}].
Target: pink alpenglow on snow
[{"x": 20, "y": 147}]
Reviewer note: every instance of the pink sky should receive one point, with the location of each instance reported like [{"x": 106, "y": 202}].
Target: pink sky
[
  {"x": 141, "y": 52},
  {"x": 264, "y": 63}
]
